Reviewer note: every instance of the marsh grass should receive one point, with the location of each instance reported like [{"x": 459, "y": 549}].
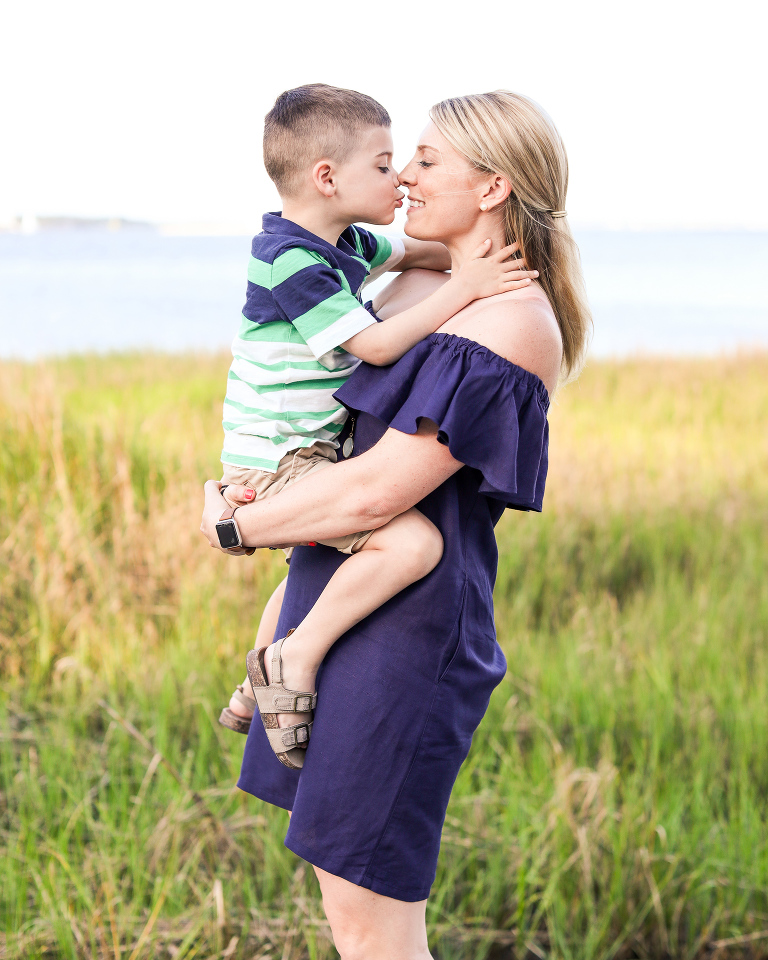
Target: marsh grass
[{"x": 613, "y": 804}]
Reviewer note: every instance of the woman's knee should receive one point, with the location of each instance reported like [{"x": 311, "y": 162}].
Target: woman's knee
[
  {"x": 368, "y": 926},
  {"x": 360, "y": 939},
  {"x": 351, "y": 942}
]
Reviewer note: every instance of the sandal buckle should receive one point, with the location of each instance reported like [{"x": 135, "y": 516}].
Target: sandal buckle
[
  {"x": 299, "y": 734},
  {"x": 301, "y": 703}
]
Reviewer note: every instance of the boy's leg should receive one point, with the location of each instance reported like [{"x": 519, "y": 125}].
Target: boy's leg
[
  {"x": 264, "y": 636},
  {"x": 264, "y": 485},
  {"x": 395, "y": 556}
]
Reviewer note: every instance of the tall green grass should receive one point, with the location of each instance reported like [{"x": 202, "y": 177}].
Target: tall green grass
[{"x": 613, "y": 803}]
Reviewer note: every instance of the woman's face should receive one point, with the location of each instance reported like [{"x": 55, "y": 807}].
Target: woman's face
[{"x": 444, "y": 191}]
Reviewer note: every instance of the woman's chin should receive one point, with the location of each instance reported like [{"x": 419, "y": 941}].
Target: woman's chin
[{"x": 411, "y": 229}]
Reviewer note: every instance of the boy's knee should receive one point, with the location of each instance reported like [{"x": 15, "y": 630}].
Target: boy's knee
[{"x": 423, "y": 549}]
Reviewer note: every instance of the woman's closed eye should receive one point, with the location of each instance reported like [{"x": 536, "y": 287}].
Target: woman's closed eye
[
  {"x": 424, "y": 164},
  {"x": 384, "y": 169}
]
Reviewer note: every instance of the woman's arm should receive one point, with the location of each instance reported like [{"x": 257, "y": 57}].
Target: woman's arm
[{"x": 359, "y": 494}]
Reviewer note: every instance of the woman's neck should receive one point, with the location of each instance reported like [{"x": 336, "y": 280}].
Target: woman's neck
[{"x": 461, "y": 248}]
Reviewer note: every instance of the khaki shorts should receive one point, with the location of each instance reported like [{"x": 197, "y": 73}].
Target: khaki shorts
[{"x": 294, "y": 467}]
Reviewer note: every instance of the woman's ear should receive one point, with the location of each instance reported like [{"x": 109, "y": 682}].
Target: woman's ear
[
  {"x": 496, "y": 192},
  {"x": 324, "y": 177}
]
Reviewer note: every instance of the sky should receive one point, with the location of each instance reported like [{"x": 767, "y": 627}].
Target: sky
[{"x": 153, "y": 109}]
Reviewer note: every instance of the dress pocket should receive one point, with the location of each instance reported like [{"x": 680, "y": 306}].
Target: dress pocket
[{"x": 453, "y": 650}]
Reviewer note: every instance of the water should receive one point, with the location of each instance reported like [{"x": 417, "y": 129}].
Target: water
[{"x": 75, "y": 291}]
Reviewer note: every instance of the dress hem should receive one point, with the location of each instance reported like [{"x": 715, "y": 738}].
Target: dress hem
[
  {"x": 266, "y": 796},
  {"x": 360, "y": 877}
]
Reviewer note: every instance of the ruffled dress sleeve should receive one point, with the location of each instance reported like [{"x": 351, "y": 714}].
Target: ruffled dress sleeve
[{"x": 491, "y": 413}]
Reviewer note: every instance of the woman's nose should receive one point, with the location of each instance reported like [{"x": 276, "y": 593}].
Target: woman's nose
[{"x": 405, "y": 177}]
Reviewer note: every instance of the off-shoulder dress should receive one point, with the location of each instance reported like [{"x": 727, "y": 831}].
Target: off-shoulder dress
[{"x": 401, "y": 694}]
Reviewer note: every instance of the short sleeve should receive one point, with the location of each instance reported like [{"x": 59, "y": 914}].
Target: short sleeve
[
  {"x": 315, "y": 298},
  {"x": 381, "y": 253},
  {"x": 492, "y": 414}
]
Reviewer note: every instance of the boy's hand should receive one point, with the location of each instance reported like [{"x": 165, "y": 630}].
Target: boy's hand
[{"x": 485, "y": 275}]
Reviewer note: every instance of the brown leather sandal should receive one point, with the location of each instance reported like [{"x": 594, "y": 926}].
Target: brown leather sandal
[
  {"x": 231, "y": 720},
  {"x": 272, "y": 699}
]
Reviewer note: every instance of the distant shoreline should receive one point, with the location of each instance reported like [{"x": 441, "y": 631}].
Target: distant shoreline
[
  {"x": 28, "y": 224},
  {"x": 32, "y": 224},
  {"x": 92, "y": 290}
]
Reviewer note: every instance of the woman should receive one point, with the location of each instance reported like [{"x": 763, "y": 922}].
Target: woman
[{"x": 458, "y": 427}]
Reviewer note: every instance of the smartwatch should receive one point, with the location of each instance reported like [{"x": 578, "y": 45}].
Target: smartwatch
[{"x": 227, "y": 530}]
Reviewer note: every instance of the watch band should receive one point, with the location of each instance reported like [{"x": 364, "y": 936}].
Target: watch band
[{"x": 229, "y": 514}]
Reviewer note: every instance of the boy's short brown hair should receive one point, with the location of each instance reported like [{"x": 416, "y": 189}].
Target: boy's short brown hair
[{"x": 311, "y": 122}]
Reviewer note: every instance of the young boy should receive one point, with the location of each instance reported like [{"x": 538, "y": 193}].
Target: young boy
[{"x": 303, "y": 331}]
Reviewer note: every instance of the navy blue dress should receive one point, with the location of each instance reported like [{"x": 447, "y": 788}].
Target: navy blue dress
[{"x": 401, "y": 694}]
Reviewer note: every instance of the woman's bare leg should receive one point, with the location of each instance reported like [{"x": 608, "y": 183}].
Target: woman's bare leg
[
  {"x": 264, "y": 636},
  {"x": 367, "y": 926}
]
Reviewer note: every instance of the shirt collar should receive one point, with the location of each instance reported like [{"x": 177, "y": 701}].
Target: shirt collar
[{"x": 343, "y": 255}]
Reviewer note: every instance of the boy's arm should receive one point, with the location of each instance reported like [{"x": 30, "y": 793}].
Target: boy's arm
[
  {"x": 481, "y": 276},
  {"x": 424, "y": 255}
]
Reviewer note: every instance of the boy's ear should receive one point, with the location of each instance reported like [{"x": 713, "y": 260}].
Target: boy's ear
[{"x": 324, "y": 177}]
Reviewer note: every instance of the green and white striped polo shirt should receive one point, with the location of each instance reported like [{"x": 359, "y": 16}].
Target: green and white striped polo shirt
[{"x": 303, "y": 302}]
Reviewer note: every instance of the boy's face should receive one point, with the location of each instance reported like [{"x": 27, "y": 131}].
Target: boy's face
[{"x": 366, "y": 184}]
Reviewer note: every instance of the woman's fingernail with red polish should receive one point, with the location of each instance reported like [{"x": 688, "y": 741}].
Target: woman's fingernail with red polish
[
  {"x": 249, "y": 494},
  {"x": 311, "y": 544}
]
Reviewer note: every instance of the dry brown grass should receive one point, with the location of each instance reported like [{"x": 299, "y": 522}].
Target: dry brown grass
[{"x": 613, "y": 802}]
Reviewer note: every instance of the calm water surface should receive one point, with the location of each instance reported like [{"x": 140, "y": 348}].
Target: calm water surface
[{"x": 74, "y": 291}]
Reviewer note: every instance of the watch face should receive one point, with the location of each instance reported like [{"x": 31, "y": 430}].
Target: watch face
[{"x": 228, "y": 534}]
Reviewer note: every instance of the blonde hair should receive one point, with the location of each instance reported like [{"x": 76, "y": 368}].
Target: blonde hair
[
  {"x": 509, "y": 135},
  {"x": 311, "y": 122}
]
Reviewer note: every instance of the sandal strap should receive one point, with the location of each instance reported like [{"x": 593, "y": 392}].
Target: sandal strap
[
  {"x": 241, "y": 696},
  {"x": 286, "y": 738},
  {"x": 280, "y": 700},
  {"x": 277, "y": 662}
]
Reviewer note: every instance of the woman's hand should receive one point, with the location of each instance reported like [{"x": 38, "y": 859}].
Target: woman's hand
[
  {"x": 236, "y": 494},
  {"x": 363, "y": 493},
  {"x": 215, "y": 505}
]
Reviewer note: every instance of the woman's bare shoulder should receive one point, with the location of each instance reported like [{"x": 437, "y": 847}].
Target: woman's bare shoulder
[{"x": 520, "y": 326}]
